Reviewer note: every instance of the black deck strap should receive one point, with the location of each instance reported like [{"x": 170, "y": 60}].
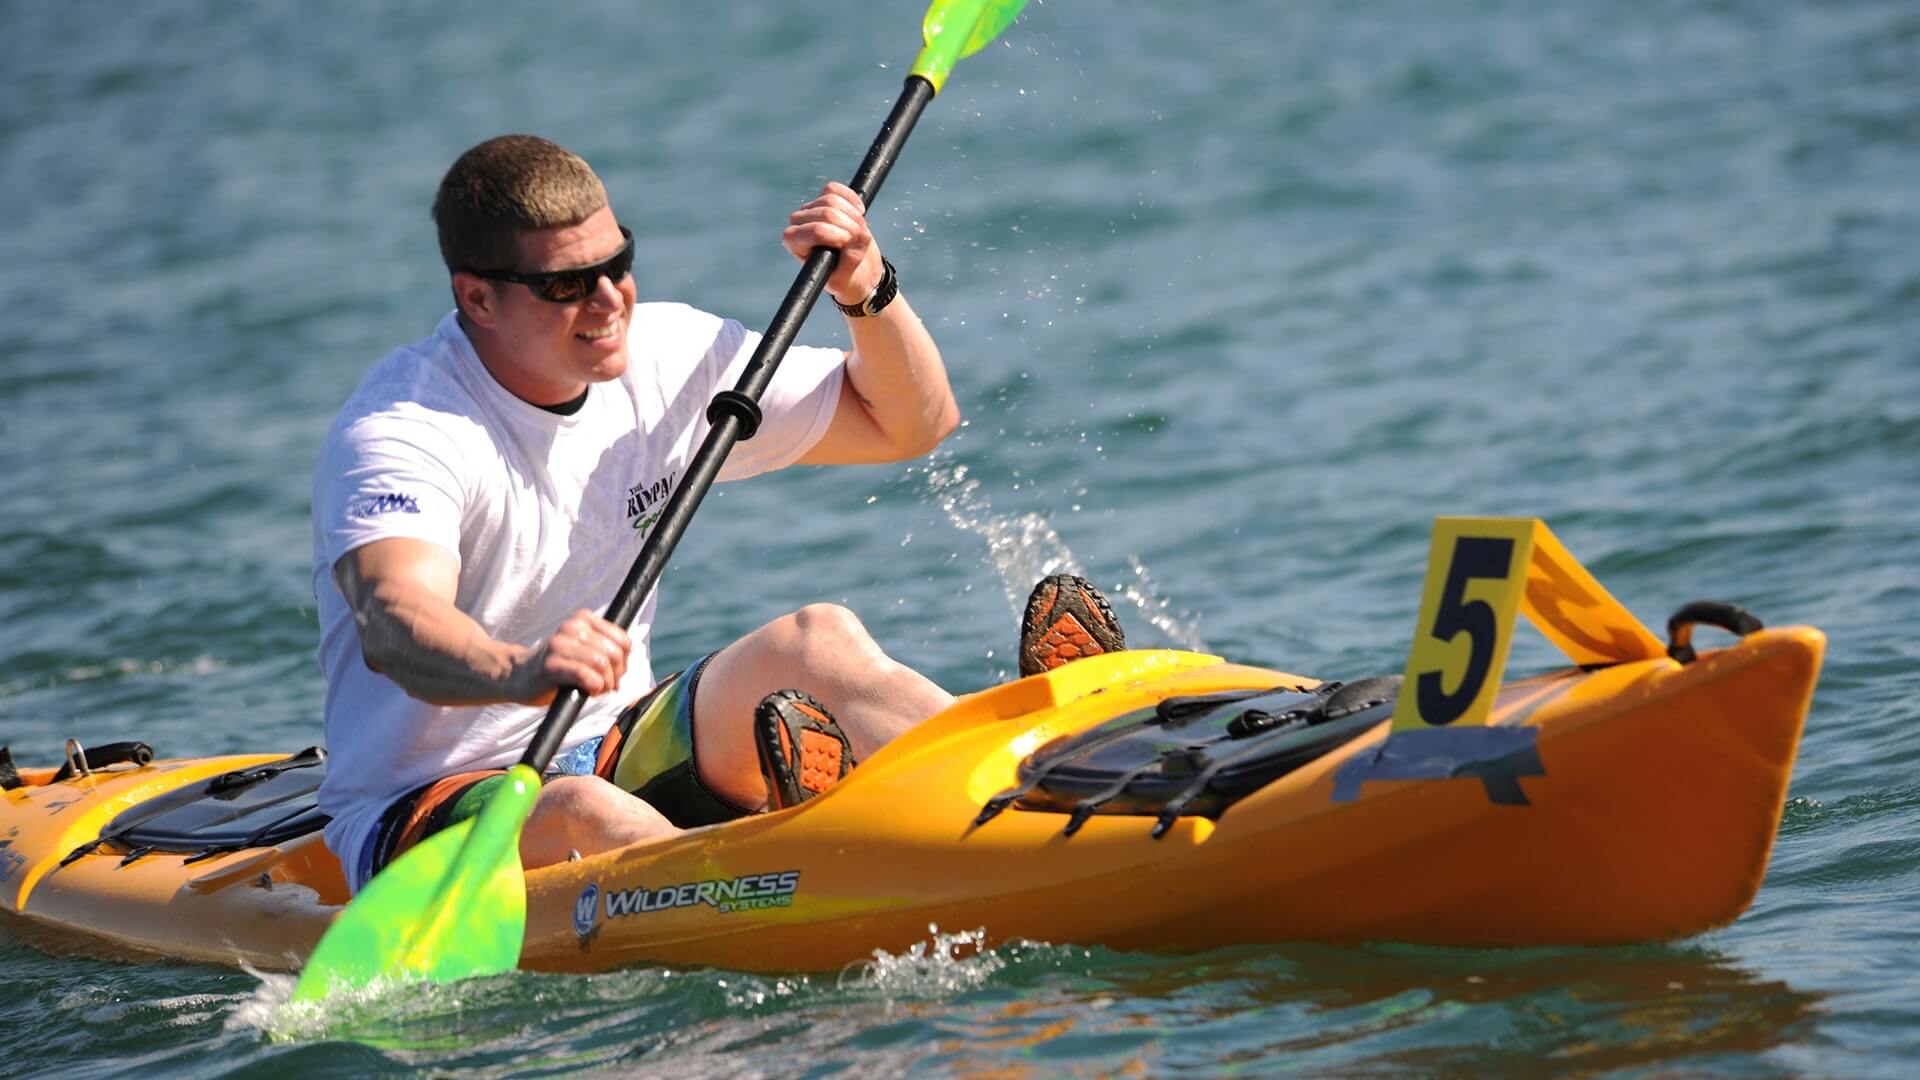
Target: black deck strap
[
  {"x": 1175, "y": 711},
  {"x": 256, "y": 838},
  {"x": 1022, "y": 790},
  {"x": 1000, "y": 802},
  {"x": 1253, "y": 722},
  {"x": 1202, "y": 769},
  {"x": 1192, "y": 762},
  {"x": 1361, "y": 695},
  {"x": 87, "y": 848},
  {"x": 1339, "y": 702},
  {"x": 1332, "y": 701},
  {"x": 241, "y": 778},
  {"x": 735, "y": 403},
  {"x": 1732, "y": 618},
  {"x": 1169, "y": 712},
  {"x": 1178, "y": 804},
  {"x": 117, "y": 753},
  {"x": 9, "y": 774},
  {"x": 227, "y": 783},
  {"x": 1170, "y": 813},
  {"x": 1091, "y": 805}
]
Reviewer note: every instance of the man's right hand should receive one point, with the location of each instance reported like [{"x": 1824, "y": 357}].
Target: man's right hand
[{"x": 587, "y": 651}]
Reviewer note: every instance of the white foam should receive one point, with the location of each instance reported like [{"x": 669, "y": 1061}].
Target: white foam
[{"x": 935, "y": 968}]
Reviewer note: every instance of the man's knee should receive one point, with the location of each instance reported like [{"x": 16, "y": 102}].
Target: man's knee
[
  {"x": 575, "y": 797},
  {"x": 585, "y": 815},
  {"x": 828, "y": 632},
  {"x": 592, "y": 799},
  {"x": 828, "y": 620}
]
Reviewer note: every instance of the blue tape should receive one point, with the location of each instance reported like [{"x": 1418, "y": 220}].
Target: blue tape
[{"x": 1497, "y": 756}]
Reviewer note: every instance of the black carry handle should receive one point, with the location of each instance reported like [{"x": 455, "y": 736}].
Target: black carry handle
[
  {"x": 119, "y": 753},
  {"x": 734, "y": 415},
  {"x": 1732, "y": 618}
]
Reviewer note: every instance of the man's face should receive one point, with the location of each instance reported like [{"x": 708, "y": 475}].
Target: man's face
[{"x": 553, "y": 348}]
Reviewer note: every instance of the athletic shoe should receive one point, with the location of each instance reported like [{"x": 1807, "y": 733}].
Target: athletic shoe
[
  {"x": 803, "y": 752},
  {"x": 1067, "y": 619}
]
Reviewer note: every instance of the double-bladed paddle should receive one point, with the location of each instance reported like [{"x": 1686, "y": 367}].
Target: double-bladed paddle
[{"x": 455, "y": 905}]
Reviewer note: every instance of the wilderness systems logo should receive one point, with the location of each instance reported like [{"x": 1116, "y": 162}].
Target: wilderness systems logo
[
  {"x": 645, "y": 501},
  {"x": 368, "y": 506},
  {"x": 750, "y": 892}
]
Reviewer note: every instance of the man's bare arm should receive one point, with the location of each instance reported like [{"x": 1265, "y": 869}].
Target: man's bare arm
[
  {"x": 402, "y": 591},
  {"x": 895, "y": 401}
]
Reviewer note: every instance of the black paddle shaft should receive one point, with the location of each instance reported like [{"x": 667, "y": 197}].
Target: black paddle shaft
[{"x": 734, "y": 414}]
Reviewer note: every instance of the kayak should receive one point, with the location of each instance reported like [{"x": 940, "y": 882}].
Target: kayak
[{"x": 1152, "y": 800}]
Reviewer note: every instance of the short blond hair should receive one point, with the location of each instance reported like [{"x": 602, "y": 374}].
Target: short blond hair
[{"x": 503, "y": 187}]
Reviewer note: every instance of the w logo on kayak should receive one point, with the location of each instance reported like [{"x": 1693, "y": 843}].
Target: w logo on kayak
[{"x": 585, "y": 909}]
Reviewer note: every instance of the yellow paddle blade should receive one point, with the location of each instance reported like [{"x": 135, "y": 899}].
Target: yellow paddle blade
[
  {"x": 954, "y": 29},
  {"x": 452, "y": 906}
]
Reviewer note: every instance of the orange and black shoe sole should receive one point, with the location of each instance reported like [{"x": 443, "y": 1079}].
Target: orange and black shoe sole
[
  {"x": 802, "y": 750},
  {"x": 1067, "y": 619}
]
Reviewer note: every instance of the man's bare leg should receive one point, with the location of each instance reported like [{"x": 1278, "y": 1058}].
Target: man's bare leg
[
  {"x": 824, "y": 650},
  {"x": 588, "y": 815}
]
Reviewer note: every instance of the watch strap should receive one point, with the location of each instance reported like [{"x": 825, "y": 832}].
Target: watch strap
[{"x": 882, "y": 295}]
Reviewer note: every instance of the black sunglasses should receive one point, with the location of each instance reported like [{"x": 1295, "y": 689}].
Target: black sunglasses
[{"x": 567, "y": 286}]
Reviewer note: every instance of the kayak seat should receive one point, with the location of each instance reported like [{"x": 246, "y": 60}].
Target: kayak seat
[
  {"x": 263, "y": 806},
  {"x": 1193, "y": 756}
]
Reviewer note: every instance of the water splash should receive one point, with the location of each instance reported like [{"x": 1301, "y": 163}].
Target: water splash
[
  {"x": 1182, "y": 628},
  {"x": 1023, "y": 548},
  {"x": 747, "y": 992},
  {"x": 271, "y": 1011},
  {"x": 105, "y": 1006},
  {"x": 936, "y": 968},
  {"x": 265, "y": 1009},
  {"x": 402, "y": 1014}
]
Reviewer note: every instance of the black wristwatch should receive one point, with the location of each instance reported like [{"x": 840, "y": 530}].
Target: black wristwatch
[{"x": 883, "y": 295}]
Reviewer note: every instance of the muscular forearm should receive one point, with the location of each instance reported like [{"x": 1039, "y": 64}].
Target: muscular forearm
[
  {"x": 897, "y": 375},
  {"x": 400, "y": 591},
  {"x": 433, "y": 650}
]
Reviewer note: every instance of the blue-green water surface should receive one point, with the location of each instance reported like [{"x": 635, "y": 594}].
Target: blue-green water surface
[{"x": 1236, "y": 297}]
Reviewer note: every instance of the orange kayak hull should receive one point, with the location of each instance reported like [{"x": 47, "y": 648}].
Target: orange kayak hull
[{"x": 1633, "y": 803}]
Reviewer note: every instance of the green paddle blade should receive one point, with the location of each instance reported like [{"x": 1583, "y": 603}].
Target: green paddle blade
[
  {"x": 452, "y": 906},
  {"x": 954, "y": 29}
]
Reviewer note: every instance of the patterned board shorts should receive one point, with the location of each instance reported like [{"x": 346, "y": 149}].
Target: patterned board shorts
[{"x": 648, "y": 751}]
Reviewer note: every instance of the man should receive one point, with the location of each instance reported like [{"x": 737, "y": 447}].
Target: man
[{"x": 483, "y": 492}]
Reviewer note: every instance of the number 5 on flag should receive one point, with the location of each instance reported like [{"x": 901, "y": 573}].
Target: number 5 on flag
[{"x": 1481, "y": 572}]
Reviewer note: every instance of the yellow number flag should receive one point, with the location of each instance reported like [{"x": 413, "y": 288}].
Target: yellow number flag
[{"x": 1481, "y": 572}]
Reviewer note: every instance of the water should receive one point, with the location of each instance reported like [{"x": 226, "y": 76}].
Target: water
[{"x": 1236, "y": 298}]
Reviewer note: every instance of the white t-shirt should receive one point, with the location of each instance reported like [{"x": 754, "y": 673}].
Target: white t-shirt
[{"x": 545, "y": 512}]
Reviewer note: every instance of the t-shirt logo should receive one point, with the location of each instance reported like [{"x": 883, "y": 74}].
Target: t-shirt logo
[
  {"x": 372, "y": 506},
  {"x": 645, "y": 501}
]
